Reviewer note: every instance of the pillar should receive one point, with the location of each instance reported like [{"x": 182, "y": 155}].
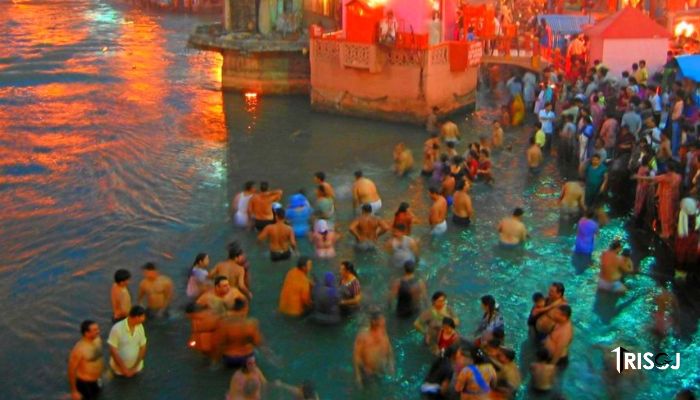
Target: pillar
[{"x": 228, "y": 20}]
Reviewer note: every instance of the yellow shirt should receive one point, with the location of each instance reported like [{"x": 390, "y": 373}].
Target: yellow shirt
[
  {"x": 296, "y": 293},
  {"x": 540, "y": 138}
]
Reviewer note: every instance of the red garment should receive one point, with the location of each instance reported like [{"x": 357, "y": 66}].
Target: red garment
[
  {"x": 445, "y": 342},
  {"x": 668, "y": 192},
  {"x": 686, "y": 249},
  {"x": 643, "y": 191},
  {"x": 405, "y": 219}
]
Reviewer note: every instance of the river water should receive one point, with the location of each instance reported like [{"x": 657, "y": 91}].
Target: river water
[{"x": 117, "y": 148}]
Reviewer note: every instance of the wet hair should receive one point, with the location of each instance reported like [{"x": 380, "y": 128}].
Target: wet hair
[
  {"x": 264, "y": 186},
  {"x": 450, "y": 145},
  {"x": 322, "y": 190},
  {"x": 239, "y": 304},
  {"x": 509, "y": 354},
  {"x": 149, "y": 266},
  {"x": 280, "y": 213},
  {"x": 302, "y": 261},
  {"x": 375, "y": 316},
  {"x": 559, "y": 286},
  {"x": 321, "y": 176},
  {"x": 518, "y": 212},
  {"x": 437, "y": 295},
  {"x": 219, "y": 279},
  {"x": 400, "y": 227},
  {"x": 122, "y": 275},
  {"x": 358, "y": 174},
  {"x": 490, "y": 304},
  {"x": 350, "y": 267},
  {"x": 234, "y": 250},
  {"x": 308, "y": 392},
  {"x": 543, "y": 355},
  {"x": 616, "y": 244},
  {"x": 449, "y": 322},
  {"x": 459, "y": 185},
  {"x": 565, "y": 309},
  {"x": 433, "y": 190},
  {"x": 589, "y": 214},
  {"x": 85, "y": 326},
  {"x": 137, "y": 311},
  {"x": 198, "y": 259},
  {"x": 478, "y": 356},
  {"x": 409, "y": 266},
  {"x": 403, "y": 207},
  {"x": 248, "y": 185},
  {"x": 537, "y": 296},
  {"x": 444, "y": 158},
  {"x": 366, "y": 208}
]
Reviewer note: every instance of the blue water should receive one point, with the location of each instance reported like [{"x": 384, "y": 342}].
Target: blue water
[{"x": 117, "y": 148}]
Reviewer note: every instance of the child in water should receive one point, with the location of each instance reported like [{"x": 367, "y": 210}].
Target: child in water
[
  {"x": 538, "y": 301},
  {"x": 446, "y": 337}
]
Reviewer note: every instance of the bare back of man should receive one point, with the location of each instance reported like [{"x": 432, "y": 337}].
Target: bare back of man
[
  {"x": 238, "y": 336},
  {"x": 462, "y": 205},
  {"x": 534, "y": 157},
  {"x": 364, "y": 192},
  {"x": 438, "y": 211},
  {"x": 367, "y": 228},
  {"x": 231, "y": 270},
  {"x": 260, "y": 207},
  {"x": 280, "y": 237},
  {"x": 571, "y": 201},
  {"x": 511, "y": 231}
]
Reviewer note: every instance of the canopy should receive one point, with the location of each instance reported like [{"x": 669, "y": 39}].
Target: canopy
[
  {"x": 628, "y": 23},
  {"x": 690, "y": 66},
  {"x": 566, "y": 24}
]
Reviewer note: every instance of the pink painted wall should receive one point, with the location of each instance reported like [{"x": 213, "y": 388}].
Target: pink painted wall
[{"x": 620, "y": 54}]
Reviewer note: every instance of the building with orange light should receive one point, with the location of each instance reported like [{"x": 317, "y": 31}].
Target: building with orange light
[{"x": 428, "y": 64}]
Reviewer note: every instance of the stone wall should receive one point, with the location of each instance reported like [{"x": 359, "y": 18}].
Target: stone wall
[{"x": 266, "y": 73}]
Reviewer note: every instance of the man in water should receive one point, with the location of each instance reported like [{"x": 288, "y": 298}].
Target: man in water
[
  {"x": 559, "y": 339},
  {"x": 449, "y": 132},
  {"x": 612, "y": 267},
  {"x": 121, "y": 299},
  {"x": 85, "y": 363},
  {"x": 372, "y": 353},
  {"x": 221, "y": 298},
  {"x": 438, "y": 212},
  {"x": 367, "y": 229},
  {"x": 534, "y": 157},
  {"x": 280, "y": 236},
  {"x": 295, "y": 297},
  {"x": 233, "y": 269},
  {"x": 320, "y": 180},
  {"x": 545, "y": 316},
  {"x": 127, "y": 344},
  {"x": 409, "y": 291},
  {"x": 239, "y": 205},
  {"x": 236, "y": 336},
  {"x": 157, "y": 289},
  {"x": 260, "y": 206},
  {"x": 511, "y": 230},
  {"x": 403, "y": 159},
  {"x": 364, "y": 191},
  {"x": 462, "y": 210},
  {"x": 571, "y": 200}
]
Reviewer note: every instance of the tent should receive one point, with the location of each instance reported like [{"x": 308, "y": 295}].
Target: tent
[
  {"x": 690, "y": 66},
  {"x": 625, "y": 38}
]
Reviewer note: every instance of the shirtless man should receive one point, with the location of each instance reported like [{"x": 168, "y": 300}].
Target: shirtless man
[
  {"x": 236, "y": 336},
  {"x": 511, "y": 230},
  {"x": 233, "y": 269},
  {"x": 85, "y": 363},
  {"x": 367, "y": 229},
  {"x": 571, "y": 201},
  {"x": 121, "y": 299},
  {"x": 320, "y": 180},
  {"x": 403, "y": 159},
  {"x": 534, "y": 157},
  {"x": 559, "y": 340},
  {"x": 462, "y": 210},
  {"x": 221, "y": 298},
  {"x": 364, "y": 191},
  {"x": 545, "y": 316},
  {"x": 281, "y": 238},
  {"x": 372, "y": 353},
  {"x": 496, "y": 135},
  {"x": 438, "y": 212},
  {"x": 449, "y": 132},
  {"x": 612, "y": 267},
  {"x": 431, "y": 148},
  {"x": 158, "y": 291},
  {"x": 260, "y": 206}
]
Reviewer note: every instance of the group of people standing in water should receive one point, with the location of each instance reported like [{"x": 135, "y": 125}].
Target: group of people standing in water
[{"x": 469, "y": 363}]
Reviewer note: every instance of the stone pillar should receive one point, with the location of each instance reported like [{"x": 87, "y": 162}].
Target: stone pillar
[{"x": 228, "y": 20}]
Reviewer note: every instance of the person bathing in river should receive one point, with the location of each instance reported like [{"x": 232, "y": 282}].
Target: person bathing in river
[
  {"x": 260, "y": 206},
  {"x": 324, "y": 239},
  {"x": 402, "y": 247},
  {"x": 372, "y": 353},
  {"x": 534, "y": 157},
  {"x": 462, "y": 211},
  {"x": 157, "y": 289},
  {"x": 403, "y": 159},
  {"x": 612, "y": 267},
  {"x": 239, "y": 205},
  {"x": 405, "y": 217},
  {"x": 280, "y": 237},
  {"x": 364, "y": 191},
  {"x": 484, "y": 171},
  {"x": 511, "y": 230},
  {"x": 438, "y": 212},
  {"x": 367, "y": 228}
]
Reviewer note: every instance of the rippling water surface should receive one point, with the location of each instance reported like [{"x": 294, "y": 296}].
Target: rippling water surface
[{"x": 117, "y": 148}]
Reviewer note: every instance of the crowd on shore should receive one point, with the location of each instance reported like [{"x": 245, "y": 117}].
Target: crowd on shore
[{"x": 617, "y": 132}]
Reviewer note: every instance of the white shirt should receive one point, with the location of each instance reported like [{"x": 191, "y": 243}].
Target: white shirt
[{"x": 127, "y": 344}]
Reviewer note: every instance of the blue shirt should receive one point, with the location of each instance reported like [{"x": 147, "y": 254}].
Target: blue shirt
[{"x": 585, "y": 236}]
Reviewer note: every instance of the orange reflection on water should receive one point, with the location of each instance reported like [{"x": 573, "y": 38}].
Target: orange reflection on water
[
  {"x": 35, "y": 23},
  {"x": 206, "y": 120}
]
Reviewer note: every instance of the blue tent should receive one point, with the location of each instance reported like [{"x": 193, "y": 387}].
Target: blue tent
[{"x": 690, "y": 66}]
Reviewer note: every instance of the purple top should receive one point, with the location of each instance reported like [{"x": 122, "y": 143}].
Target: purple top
[{"x": 585, "y": 236}]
